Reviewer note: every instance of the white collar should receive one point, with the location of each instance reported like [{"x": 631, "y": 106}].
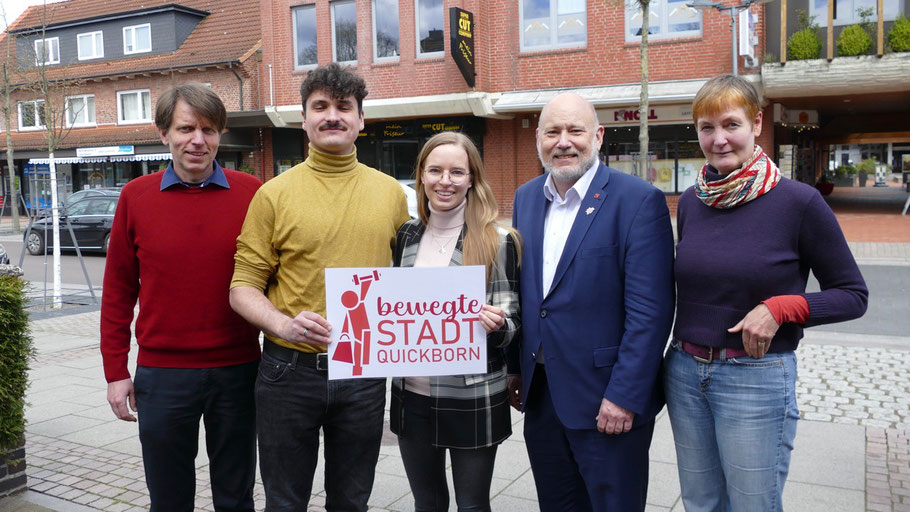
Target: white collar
[{"x": 580, "y": 187}]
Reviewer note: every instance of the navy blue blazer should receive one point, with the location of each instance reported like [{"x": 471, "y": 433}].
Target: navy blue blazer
[{"x": 606, "y": 321}]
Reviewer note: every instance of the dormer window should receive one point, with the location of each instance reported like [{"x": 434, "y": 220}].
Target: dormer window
[
  {"x": 137, "y": 39},
  {"x": 47, "y": 51}
]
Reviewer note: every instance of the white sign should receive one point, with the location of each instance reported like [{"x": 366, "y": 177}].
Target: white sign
[
  {"x": 405, "y": 322},
  {"x": 104, "y": 151}
]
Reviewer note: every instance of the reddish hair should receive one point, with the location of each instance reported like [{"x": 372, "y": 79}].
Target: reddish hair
[{"x": 723, "y": 93}]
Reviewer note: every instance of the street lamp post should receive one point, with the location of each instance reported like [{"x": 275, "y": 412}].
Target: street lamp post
[{"x": 704, "y": 5}]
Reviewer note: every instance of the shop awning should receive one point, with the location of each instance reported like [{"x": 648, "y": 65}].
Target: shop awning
[
  {"x": 677, "y": 91},
  {"x": 141, "y": 158},
  {"x": 99, "y": 159},
  {"x": 68, "y": 160}
]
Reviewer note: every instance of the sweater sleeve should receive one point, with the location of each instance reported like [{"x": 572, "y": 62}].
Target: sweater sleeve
[
  {"x": 121, "y": 290},
  {"x": 504, "y": 293},
  {"x": 256, "y": 258},
  {"x": 824, "y": 249}
]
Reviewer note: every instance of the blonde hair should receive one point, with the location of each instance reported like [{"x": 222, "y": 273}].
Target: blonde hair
[
  {"x": 725, "y": 92},
  {"x": 481, "y": 241}
]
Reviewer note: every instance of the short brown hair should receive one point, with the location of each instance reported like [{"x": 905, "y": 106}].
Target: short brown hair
[
  {"x": 201, "y": 99},
  {"x": 725, "y": 92},
  {"x": 336, "y": 81}
]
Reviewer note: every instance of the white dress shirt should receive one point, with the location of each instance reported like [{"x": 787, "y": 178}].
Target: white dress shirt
[{"x": 561, "y": 215}]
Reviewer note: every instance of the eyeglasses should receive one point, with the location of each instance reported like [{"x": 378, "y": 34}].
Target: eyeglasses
[{"x": 456, "y": 176}]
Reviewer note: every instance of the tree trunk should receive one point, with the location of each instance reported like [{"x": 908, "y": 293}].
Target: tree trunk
[
  {"x": 644, "y": 160},
  {"x": 55, "y": 219}
]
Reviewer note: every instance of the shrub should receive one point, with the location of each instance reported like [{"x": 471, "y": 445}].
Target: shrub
[
  {"x": 805, "y": 43},
  {"x": 15, "y": 352},
  {"x": 853, "y": 40},
  {"x": 868, "y": 166},
  {"x": 899, "y": 36}
]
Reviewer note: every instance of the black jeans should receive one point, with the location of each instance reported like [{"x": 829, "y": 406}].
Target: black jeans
[
  {"x": 425, "y": 464},
  {"x": 292, "y": 403},
  {"x": 170, "y": 403}
]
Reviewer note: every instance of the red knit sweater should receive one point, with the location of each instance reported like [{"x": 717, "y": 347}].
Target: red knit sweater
[{"x": 179, "y": 244}]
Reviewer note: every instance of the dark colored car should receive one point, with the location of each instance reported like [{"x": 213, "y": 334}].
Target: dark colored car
[
  {"x": 91, "y": 219},
  {"x": 79, "y": 195},
  {"x": 4, "y": 258}
]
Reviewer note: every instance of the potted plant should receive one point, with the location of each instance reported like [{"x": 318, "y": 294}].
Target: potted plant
[
  {"x": 855, "y": 39},
  {"x": 844, "y": 175},
  {"x": 899, "y": 36},
  {"x": 804, "y": 44}
]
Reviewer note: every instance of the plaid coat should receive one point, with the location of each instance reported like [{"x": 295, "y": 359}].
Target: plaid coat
[{"x": 469, "y": 411}]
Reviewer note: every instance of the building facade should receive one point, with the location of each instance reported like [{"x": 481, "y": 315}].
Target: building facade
[{"x": 105, "y": 63}]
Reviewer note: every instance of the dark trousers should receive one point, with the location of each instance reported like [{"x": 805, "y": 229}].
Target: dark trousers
[
  {"x": 170, "y": 402},
  {"x": 293, "y": 402},
  {"x": 583, "y": 470},
  {"x": 425, "y": 464}
]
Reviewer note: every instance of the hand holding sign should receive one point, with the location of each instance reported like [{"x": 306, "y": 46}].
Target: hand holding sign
[{"x": 393, "y": 324}]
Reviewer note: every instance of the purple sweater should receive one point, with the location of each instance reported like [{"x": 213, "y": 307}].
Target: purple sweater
[{"x": 728, "y": 261}]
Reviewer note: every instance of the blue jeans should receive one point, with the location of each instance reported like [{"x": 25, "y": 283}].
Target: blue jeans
[
  {"x": 734, "y": 421},
  {"x": 293, "y": 403},
  {"x": 425, "y": 464},
  {"x": 170, "y": 402}
]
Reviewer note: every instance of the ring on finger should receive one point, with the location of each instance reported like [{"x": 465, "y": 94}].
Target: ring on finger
[{"x": 306, "y": 331}]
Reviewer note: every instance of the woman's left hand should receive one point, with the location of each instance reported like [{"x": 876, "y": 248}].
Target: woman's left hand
[
  {"x": 758, "y": 328},
  {"x": 492, "y": 318}
]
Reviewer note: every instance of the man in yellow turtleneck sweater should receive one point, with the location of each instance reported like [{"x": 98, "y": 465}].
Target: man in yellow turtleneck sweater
[{"x": 329, "y": 211}]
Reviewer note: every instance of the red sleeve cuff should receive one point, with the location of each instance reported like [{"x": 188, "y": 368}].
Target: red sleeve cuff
[{"x": 788, "y": 308}]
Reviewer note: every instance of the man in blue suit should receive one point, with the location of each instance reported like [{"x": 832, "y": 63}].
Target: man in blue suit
[{"x": 597, "y": 303}]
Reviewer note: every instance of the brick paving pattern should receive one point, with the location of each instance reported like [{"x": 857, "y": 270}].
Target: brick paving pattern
[{"x": 887, "y": 470}]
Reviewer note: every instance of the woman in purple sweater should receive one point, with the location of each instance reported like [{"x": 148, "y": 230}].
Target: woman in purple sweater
[{"x": 747, "y": 241}]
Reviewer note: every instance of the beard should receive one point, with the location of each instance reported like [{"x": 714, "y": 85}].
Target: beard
[{"x": 572, "y": 173}]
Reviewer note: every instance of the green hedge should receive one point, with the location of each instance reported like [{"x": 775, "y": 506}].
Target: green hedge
[
  {"x": 899, "y": 36},
  {"x": 15, "y": 352},
  {"x": 853, "y": 41},
  {"x": 804, "y": 44}
]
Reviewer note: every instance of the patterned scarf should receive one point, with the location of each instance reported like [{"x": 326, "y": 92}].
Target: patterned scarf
[{"x": 754, "y": 179}]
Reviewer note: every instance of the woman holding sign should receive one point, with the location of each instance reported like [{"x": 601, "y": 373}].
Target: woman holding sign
[{"x": 466, "y": 414}]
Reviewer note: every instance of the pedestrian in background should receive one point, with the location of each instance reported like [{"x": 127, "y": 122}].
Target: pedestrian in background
[
  {"x": 466, "y": 414},
  {"x": 747, "y": 240},
  {"x": 172, "y": 247},
  {"x": 597, "y": 306}
]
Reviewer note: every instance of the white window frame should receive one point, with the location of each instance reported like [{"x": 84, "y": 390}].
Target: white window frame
[
  {"x": 132, "y": 38},
  {"x": 428, "y": 55},
  {"x": 120, "y": 119},
  {"x": 376, "y": 57},
  {"x": 892, "y": 12},
  {"x": 96, "y": 37},
  {"x": 297, "y": 65},
  {"x": 84, "y": 98},
  {"x": 554, "y": 32},
  {"x": 661, "y": 8},
  {"x": 53, "y": 57},
  {"x": 39, "y": 124}
]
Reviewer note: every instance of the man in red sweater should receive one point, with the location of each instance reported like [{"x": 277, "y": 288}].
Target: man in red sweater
[{"x": 172, "y": 248}]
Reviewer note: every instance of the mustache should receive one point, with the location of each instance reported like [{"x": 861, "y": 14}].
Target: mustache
[{"x": 332, "y": 125}]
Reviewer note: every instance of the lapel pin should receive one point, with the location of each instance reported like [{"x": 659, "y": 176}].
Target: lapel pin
[
  {"x": 590, "y": 210},
  {"x": 597, "y": 195}
]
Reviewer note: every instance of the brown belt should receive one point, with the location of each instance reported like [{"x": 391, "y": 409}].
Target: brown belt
[{"x": 704, "y": 354}]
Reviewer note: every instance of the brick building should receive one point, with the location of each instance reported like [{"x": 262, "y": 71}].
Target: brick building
[
  {"x": 107, "y": 62},
  {"x": 525, "y": 52}
]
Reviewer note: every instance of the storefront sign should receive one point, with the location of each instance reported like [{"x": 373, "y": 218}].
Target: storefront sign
[
  {"x": 461, "y": 27},
  {"x": 436, "y": 127},
  {"x": 405, "y": 322},
  {"x": 393, "y": 130},
  {"x": 660, "y": 114},
  {"x": 104, "y": 151}
]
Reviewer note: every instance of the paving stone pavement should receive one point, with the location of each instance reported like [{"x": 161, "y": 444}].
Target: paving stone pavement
[{"x": 77, "y": 451}]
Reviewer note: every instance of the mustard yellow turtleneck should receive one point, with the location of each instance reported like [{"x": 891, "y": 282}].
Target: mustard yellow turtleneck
[{"x": 329, "y": 211}]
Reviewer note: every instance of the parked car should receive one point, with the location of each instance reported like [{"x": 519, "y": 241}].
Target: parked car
[
  {"x": 90, "y": 192},
  {"x": 410, "y": 193},
  {"x": 4, "y": 257},
  {"x": 91, "y": 219}
]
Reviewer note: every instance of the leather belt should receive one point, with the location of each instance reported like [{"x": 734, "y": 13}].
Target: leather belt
[
  {"x": 704, "y": 354},
  {"x": 318, "y": 361}
]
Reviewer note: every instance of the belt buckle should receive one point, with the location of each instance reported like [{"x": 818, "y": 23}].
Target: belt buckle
[
  {"x": 707, "y": 360},
  {"x": 322, "y": 361}
]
